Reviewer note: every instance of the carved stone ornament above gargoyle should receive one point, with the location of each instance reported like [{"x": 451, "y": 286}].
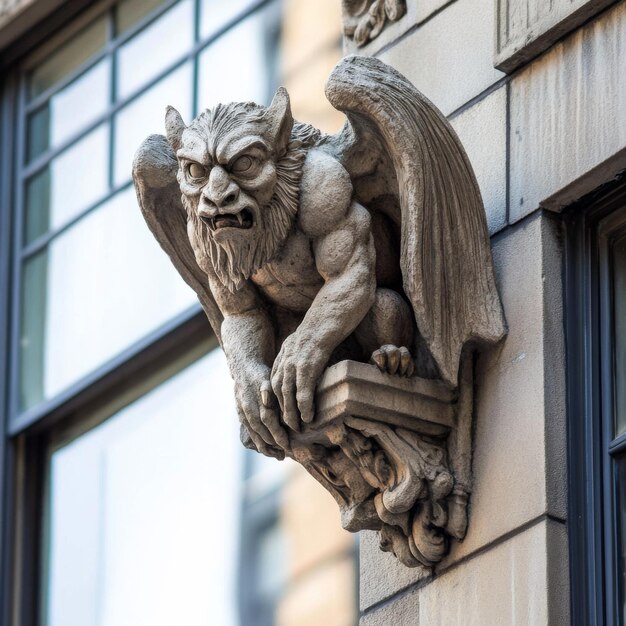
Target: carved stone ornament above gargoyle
[
  {"x": 363, "y": 20},
  {"x": 349, "y": 280}
]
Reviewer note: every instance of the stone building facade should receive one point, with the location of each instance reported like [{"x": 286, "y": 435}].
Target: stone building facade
[{"x": 537, "y": 93}]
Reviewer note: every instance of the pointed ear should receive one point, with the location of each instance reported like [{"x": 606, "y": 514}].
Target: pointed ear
[
  {"x": 280, "y": 119},
  {"x": 174, "y": 127}
]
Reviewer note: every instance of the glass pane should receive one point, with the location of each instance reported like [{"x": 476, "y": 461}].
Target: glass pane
[
  {"x": 153, "y": 49},
  {"x": 146, "y": 115},
  {"x": 619, "y": 274},
  {"x": 134, "y": 538},
  {"x": 69, "y": 57},
  {"x": 129, "y": 12},
  {"x": 216, "y": 13},
  {"x": 71, "y": 182},
  {"x": 98, "y": 288},
  {"x": 247, "y": 75},
  {"x": 621, "y": 530},
  {"x": 69, "y": 110}
]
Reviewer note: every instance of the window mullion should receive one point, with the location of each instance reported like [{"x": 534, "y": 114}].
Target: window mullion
[{"x": 112, "y": 53}]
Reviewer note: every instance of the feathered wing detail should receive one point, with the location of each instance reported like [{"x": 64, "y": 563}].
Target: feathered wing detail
[
  {"x": 158, "y": 192},
  {"x": 395, "y": 137}
]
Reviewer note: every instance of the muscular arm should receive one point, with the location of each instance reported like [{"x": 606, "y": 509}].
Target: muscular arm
[
  {"x": 346, "y": 260},
  {"x": 248, "y": 342},
  {"x": 344, "y": 255},
  {"x": 247, "y": 332}
]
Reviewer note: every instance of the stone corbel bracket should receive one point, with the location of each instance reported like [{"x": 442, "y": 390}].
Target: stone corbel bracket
[
  {"x": 363, "y": 20},
  {"x": 395, "y": 453}
]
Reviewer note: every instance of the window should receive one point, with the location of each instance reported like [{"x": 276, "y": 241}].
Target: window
[
  {"x": 87, "y": 103},
  {"x": 117, "y": 505},
  {"x": 133, "y": 533},
  {"x": 596, "y": 330}
]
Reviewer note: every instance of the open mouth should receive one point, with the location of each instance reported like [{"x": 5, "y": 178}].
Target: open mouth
[{"x": 243, "y": 219}]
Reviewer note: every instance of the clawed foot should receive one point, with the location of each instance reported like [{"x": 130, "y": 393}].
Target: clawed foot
[{"x": 394, "y": 360}]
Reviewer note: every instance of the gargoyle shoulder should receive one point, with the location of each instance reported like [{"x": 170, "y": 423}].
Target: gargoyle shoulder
[{"x": 325, "y": 194}]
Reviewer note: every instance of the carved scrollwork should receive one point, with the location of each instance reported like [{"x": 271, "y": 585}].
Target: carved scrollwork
[
  {"x": 387, "y": 472},
  {"x": 363, "y": 20}
]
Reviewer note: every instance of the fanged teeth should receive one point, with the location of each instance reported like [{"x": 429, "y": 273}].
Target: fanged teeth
[{"x": 225, "y": 220}]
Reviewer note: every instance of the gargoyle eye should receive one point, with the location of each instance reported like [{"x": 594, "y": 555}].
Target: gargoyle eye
[
  {"x": 242, "y": 164},
  {"x": 196, "y": 170}
]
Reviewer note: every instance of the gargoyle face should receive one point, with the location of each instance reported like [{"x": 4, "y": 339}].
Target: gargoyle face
[
  {"x": 229, "y": 181},
  {"x": 236, "y": 178}
]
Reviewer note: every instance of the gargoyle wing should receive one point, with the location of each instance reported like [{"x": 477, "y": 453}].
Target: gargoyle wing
[
  {"x": 154, "y": 173},
  {"x": 396, "y": 143}
]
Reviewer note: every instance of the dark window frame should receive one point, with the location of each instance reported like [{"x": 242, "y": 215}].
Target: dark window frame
[{"x": 591, "y": 225}]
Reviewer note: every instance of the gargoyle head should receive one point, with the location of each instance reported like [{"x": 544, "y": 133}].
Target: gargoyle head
[{"x": 239, "y": 174}]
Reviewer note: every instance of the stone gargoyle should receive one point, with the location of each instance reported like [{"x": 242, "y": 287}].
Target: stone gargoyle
[{"x": 349, "y": 280}]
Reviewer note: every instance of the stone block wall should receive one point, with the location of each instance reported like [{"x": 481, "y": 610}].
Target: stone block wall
[{"x": 539, "y": 139}]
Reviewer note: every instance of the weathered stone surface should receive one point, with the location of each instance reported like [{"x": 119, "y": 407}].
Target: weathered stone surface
[
  {"x": 462, "y": 36},
  {"x": 351, "y": 389},
  {"x": 520, "y": 446},
  {"x": 364, "y": 20},
  {"x": 520, "y": 439},
  {"x": 307, "y": 250},
  {"x": 382, "y": 575},
  {"x": 416, "y": 13},
  {"x": 482, "y": 129},
  {"x": 403, "y": 611},
  {"x": 567, "y": 117},
  {"x": 521, "y": 581},
  {"x": 395, "y": 454},
  {"x": 525, "y": 28},
  {"x": 16, "y": 16},
  {"x": 9, "y": 8}
]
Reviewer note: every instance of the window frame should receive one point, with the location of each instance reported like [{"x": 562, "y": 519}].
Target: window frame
[{"x": 591, "y": 225}]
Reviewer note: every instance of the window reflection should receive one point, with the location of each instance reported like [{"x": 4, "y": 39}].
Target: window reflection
[
  {"x": 97, "y": 289},
  {"x": 69, "y": 57},
  {"x": 149, "y": 52},
  {"x": 237, "y": 66},
  {"x": 73, "y": 180},
  {"x": 67, "y": 111},
  {"x": 134, "y": 537},
  {"x": 103, "y": 284},
  {"x": 214, "y": 14},
  {"x": 146, "y": 115}
]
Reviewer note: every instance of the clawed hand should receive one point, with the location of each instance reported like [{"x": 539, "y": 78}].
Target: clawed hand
[
  {"x": 257, "y": 410},
  {"x": 295, "y": 373},
  {"x": 289, "y": 387}
]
